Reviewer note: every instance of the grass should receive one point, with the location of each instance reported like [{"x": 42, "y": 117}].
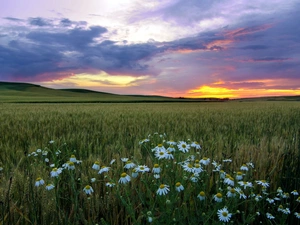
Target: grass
[{"x": 264, "y": 133}]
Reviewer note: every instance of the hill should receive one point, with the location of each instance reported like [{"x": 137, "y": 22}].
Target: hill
[{"x": 32, "y": 93}]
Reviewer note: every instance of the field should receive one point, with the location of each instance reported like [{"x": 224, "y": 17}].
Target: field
[{"x": 52, "y": 153}]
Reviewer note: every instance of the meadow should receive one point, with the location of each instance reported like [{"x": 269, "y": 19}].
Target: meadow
[{"x": 159, "y": 163}]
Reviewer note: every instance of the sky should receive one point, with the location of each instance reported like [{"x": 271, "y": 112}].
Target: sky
[{"x": 176, "y": 48}]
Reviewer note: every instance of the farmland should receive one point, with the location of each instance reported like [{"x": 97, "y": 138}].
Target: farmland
[{"x": 261, "y": 133}]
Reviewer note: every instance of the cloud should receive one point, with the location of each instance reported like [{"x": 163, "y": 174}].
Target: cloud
[
  {"x": 13, "y": 19},
  {"x": 40, "y": 22}
]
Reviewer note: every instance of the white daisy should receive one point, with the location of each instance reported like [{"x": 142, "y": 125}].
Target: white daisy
[
  {"x": 88, "y": 189},
  {"x": 142, "y": 169},
  {"x": 201, "y": 195},
  {"x": 96, "y": 165},
  {"x": 179, "y": 187},
  {"x": 159, "y": 147},
  {"x": 231, "y": 193},
  {"x": 93, "y": 180},
  {"x": 262, "y": 183},
  {"x": 270, "y": 216},
  {"x": 125, "y": 178},
  {"x": 295, "y": 192},
  {"x": 49, "y": 187},
  {"x": 73, "y": 159},
  {"x": 104, "y": 169},
  {"x": 70, "y": 165},
  {"x": 229, "y": 180},
  {"x": 156, "y": 176},
  {"x": 156, "y": 168},
  {"x": 205, "y": 161},
  {"x": 244, "y": 167},
  {"x": 297, "y": 215},
  {"x": 196, "y": 145},
  {"x": 183, "y": 146},
  {"x": 224, "y": 215},
  {"x": 218, "y": 197},
  {"x": 171, "y": 148},
  {"x": 163, "y": 189},
  {"x": 239, "y": 175},
  {"x": 161, "y": 154},
  {"x": 39, "y": 182},
  {"x": 129, "y": 165},
  {"x": 55, "y": 172}
]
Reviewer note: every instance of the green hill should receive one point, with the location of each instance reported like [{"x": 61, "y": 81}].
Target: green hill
[{"x": 25, "y": 92}]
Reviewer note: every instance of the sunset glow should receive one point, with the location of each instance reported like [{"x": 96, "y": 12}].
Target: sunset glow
[{"x": 201, "y": 49}]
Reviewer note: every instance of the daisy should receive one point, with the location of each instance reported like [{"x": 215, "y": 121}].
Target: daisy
[
  {"x": 93, "y": 180},
  {"x": 39, "y": 181},
  {"x": 188, "y": 167},
  {"x": 218, "y": 197},
  {"x": 88, "y": 189},
  {"x": 245, "y": 184},
  {"x": 222, "y": 174},
  {"x": 125, "y": 178},
  {"x": 161, "y": 154},
  {"x": 134, "y": 173},
  {"x": 250, "y": 164},
  {"x": 262, "y": 183},
  {"x": 156, "y": 176},
  {"x": 70, "y": 165},
  {"x": 163, "y": 189},
  {"x": 96, "y": 165},
  {"x": 46, "y": 160},
  {"x": 241, "y": 193},
  {"x": 239, "y": 175},
  {"x": 171, "y": 148},
  {"x": 159, "y": 147},
  {"x": 229, "y": 180},
  {"x": 244, "y": 167},
  {"x": 194, "y": 177},
  {"x": 270, "y": 216},
  {"x": 216, "y": 165},
  {"x": 129, "y": 165},
  {"x": 144, "y": 141},
  {"x": 297, "y": 215},
  {"x": 201, "y": 195},
  {"x": 231, "y": 193},
  {"x": 196, "y": 145},
  {"x": 156, "y": 168},
  {"x": 110, "y": 184},
  {"x": 298, "y": 199},
  {"x": 183, "y": 146},
  {"x": 197, "y": 168},
  {"x": 124, "y": 159},
  {"x": 171, "y": 142},
  {"x": 142, "y": 169},
  {"x": 55, "y": 172},
  {"x": 49, "y": 187},
  {"x": 169, "y": 155},
  {"x": 72, "y": 158},
  {"x": 224, "y": 215},
  {"x": 295, "y": 192},
  {"x": 104, "y": 169},
  {"x": 258, "y": 197},
  {"x": 205, "y": 161},
  {"x": 179, "y": 187}
]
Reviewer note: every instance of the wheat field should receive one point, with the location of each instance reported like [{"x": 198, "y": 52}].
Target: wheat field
[{"x": 264, "y": 133}]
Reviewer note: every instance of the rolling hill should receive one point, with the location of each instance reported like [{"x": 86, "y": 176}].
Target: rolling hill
[{"x": 32, "y": 93}]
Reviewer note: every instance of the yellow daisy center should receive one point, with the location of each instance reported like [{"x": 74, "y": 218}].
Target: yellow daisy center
[{"x": 123, "y": 175}]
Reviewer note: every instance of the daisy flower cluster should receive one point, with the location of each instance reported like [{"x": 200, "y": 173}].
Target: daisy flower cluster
[{"x": 176, "y": 181}]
